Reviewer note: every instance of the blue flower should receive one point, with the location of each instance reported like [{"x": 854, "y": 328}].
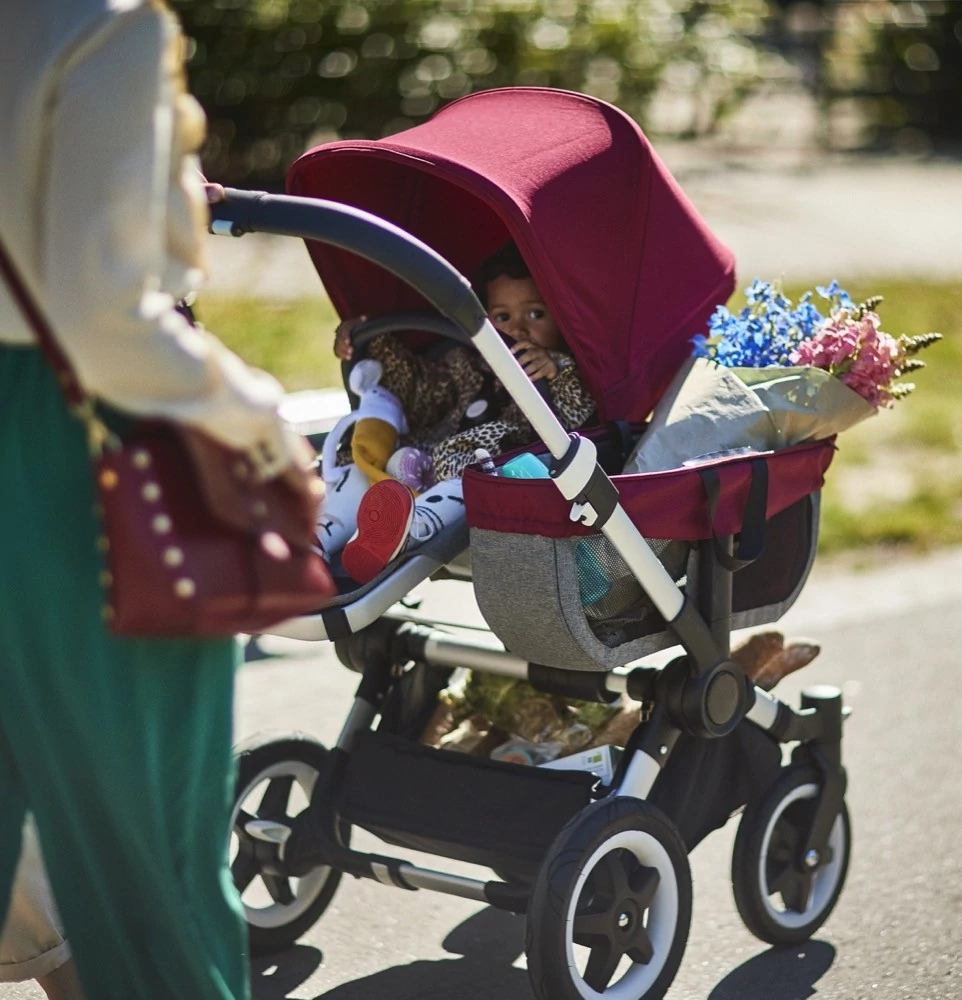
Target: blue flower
[
  {"x": 701, "y": 347},
  {"x": 758, "y": 291},
  {"x": 768, "y": 329},
  {"x": 839, "y": 298}
]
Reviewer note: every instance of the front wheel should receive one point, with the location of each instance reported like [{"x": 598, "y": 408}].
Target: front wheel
[
  {"x": 610, "y": 909},
  {"x": 275, "y": 780},
  {"x": 782, "y": 900}
]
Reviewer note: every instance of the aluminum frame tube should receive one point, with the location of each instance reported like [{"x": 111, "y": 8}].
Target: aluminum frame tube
[
  {"x": 640, "y": 777},
  {"x": 764, "y": 713},
  {"x": 435, "y": 881},
  {"x": 444, "y": 650}
]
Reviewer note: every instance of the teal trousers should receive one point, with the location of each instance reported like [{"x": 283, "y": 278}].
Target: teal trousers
[{"x": 120, "y": 747}]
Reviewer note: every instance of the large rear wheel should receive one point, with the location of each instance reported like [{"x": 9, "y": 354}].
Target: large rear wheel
[{"x": 275, "y": 781}]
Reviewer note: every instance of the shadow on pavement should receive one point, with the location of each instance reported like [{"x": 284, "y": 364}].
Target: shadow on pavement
[
  {"x": 489, "y": 942},
  {"x": 274, "y": 977},
  {"x": 788, "y": 973}
]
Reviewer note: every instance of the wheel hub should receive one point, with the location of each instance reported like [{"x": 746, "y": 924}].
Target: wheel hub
[
  {"x": 261, "y": 839},
  {"x": 610, "y": 916},
  {"x": 791, "y": 873}
]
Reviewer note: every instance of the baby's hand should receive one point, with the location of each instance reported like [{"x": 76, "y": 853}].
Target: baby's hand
[
  {"x": 343, "y": 347},
  {"x": 535, "y": 360}
]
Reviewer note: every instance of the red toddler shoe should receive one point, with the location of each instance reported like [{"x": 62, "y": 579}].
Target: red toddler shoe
[{"x": 383, "y": 522}]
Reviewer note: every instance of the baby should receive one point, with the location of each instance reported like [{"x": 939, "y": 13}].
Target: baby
[{"x": 454, "y": 406}]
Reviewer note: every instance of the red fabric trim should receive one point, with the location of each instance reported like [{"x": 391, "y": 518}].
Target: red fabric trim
[{"x": 660, "y": 504}]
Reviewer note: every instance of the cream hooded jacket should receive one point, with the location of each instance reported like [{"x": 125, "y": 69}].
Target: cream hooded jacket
[{"x": 102, "y": 209}]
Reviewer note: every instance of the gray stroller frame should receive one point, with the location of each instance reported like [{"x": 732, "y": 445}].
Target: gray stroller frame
[{"x": 607, "y": 871}]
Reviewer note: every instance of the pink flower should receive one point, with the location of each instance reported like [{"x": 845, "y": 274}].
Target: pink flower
[{"x": 864, "y": 357}]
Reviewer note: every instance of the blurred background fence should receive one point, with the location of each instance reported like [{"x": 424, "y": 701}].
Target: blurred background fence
[{"x": 279, "y": 76}]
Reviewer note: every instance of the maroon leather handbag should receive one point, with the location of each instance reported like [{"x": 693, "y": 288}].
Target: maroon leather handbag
[{"x": 190, "y": 550}]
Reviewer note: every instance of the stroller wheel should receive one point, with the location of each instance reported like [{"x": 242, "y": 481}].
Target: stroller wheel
[
  {"x": 780, "y": 902},
  {"x": 610, "y": 910},
  {"x": 275, "y": 779}
]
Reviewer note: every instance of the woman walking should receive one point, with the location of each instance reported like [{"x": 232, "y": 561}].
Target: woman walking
[{"x": 119, "y": 747}]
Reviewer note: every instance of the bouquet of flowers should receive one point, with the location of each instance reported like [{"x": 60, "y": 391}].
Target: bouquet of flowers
[{"x": 777, "y": 374}]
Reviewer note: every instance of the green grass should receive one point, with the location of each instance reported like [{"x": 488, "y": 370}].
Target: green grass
[
  {"x": 896, "y": 480},
  {"x": 290, "y": 339}
]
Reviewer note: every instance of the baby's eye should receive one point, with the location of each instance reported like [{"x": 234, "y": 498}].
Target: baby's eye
[
  {"x": 536, "y": 313},
  {"x": 499, "y": 317}
]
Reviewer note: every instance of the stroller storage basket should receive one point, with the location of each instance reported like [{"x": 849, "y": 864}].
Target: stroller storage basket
[
  {"x": 559, "y": 594},
  {"x": 454, "y": 805}
]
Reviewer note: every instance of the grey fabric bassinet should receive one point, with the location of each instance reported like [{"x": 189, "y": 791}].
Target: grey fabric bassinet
[{"x": 534, "y": 592}]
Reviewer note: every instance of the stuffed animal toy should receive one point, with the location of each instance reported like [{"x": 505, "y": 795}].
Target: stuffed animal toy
[
  {"x": 378, "y": 421},
  {"x": 345, "y": 486}
]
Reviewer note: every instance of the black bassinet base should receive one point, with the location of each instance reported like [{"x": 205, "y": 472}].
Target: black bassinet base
[
  {"x": 706, "y": 781},
  {"x": 505, "y": 816},
  {"x": 472, "y": 809}
]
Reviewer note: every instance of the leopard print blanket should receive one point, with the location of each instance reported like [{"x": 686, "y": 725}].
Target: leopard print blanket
[{"x": 441, "y": 398}]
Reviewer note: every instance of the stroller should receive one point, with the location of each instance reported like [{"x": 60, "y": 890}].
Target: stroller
[{"x": 600, "y": 870}]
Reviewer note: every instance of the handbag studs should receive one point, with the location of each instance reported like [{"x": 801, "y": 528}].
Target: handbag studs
[
  {"x": 161, "y": 524},
  {"x": 185, "y": 588},
  {"x": 109, "y": 479},
  {"x": 150, "y": 492},
  {"x": 275, "y": 546},
  {"x": 141, "y": 458},
  {"x": 173, "y": 557}
]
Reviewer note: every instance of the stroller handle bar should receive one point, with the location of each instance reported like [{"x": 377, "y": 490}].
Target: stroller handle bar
[
  {"x": 575, "y": 471},
  {"x": 407, "y": 258},
  {"x": 358, "y": 232}
]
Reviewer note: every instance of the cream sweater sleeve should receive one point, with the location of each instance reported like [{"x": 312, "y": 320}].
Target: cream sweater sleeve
[{"x": 123, "y": 225}]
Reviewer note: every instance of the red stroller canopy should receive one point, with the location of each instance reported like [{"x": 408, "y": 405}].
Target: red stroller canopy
[{"x": 626, "y": 265}]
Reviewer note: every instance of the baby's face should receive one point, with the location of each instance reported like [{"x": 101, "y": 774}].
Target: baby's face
[{"x": 516, "y": 308}]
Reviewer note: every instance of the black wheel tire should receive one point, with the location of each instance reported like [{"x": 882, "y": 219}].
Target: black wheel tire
[
  {"x": 612, "y": 846},
  {"x": 766, "y": 839},
  {"x": 280, "y": 763}
]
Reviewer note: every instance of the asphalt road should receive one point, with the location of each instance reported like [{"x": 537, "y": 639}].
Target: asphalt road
[{"x": 890, "y": 640}]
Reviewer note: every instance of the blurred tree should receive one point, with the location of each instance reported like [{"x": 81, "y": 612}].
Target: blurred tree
[
  {"x": 278, "y": 76},
  {"x": 897, "y": 64},
  {"x": 887, "y": 73}
]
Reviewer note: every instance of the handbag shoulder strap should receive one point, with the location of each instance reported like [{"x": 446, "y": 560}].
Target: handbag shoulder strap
[{"x": 66, "y": 377}]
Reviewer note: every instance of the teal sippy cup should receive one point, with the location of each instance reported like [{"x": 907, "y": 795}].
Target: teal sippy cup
[{"x": 525, "y": 466}]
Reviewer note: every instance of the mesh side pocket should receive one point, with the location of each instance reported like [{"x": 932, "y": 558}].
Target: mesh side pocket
[{"x": 616, "y": 607}]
